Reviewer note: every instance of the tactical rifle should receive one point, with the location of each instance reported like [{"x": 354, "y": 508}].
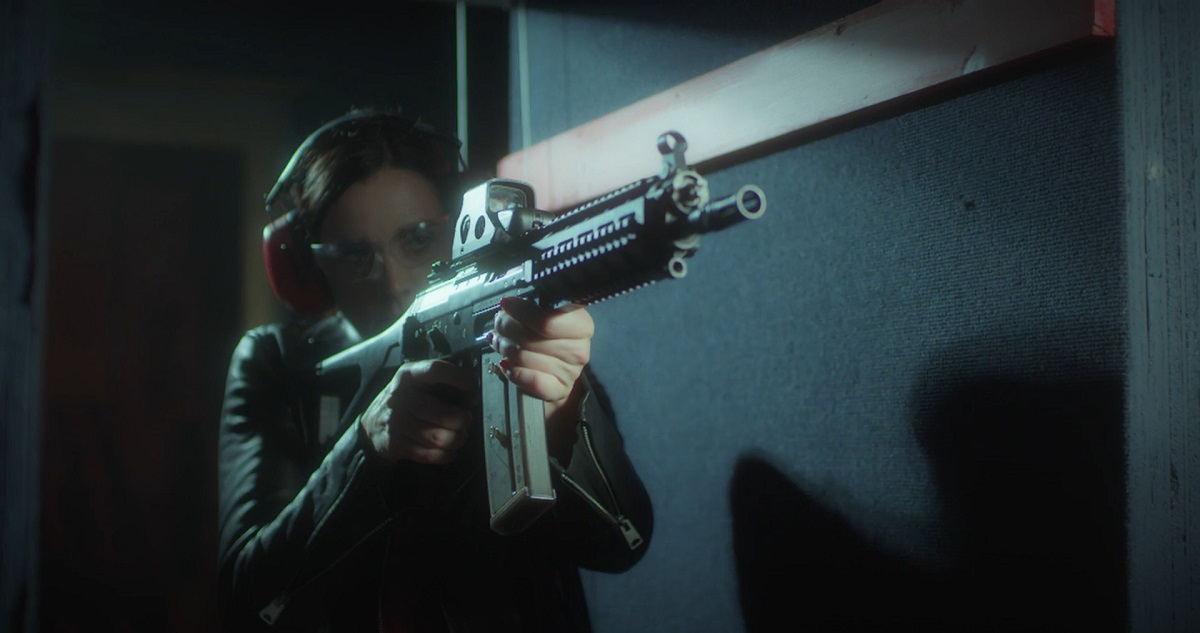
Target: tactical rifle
[{"x": 504, "y": 246}]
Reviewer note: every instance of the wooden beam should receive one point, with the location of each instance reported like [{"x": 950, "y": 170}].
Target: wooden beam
[
  {"x": 1160, "y": 105},
  {"x": 866, "y": 61}
]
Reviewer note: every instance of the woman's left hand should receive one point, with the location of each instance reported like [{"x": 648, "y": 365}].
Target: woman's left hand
[{"x": 544, "y": 353}]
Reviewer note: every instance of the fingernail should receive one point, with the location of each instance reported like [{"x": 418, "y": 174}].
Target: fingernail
[
  {"x": 490, "y": 336},
  {"x": 505, "y": 366}
]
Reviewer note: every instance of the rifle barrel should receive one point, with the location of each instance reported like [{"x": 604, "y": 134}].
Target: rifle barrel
[{"x": 748, "y": 203}]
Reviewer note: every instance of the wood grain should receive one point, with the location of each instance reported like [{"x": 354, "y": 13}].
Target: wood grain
[{"x": 1160, "y": 68}]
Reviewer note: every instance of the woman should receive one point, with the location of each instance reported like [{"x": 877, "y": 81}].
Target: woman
[{"x": 383, "y": 525}]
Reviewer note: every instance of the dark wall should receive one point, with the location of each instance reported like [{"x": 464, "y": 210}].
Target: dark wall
[
  {"x": 140, "y": 310},
  {"x": 327, "y": 56},
  {"x": 330, "y": 56},
  {"x": 23, "y": 226},
  {"x": 897, "y": 399}
]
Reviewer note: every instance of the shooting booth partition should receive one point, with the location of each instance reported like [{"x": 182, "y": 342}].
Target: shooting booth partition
[{"x": 904, "y": 398}]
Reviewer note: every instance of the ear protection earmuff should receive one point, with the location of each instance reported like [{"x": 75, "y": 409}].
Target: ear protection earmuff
[{"x": 292, "y": 270}]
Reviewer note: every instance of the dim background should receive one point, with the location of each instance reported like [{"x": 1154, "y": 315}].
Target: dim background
[
  {"x": 902, "y": 400},
  {"x": 170, "y": 122}
]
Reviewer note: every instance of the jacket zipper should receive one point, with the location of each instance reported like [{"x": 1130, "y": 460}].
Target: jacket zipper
[{"x": 632, "y": 537}]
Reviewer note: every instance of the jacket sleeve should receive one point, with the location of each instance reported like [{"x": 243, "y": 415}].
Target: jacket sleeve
[
  {"x": 283, "y": 525},
  {"x": 603, "y": 513}
]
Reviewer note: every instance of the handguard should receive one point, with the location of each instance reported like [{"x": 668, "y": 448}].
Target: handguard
[{"x": 504, "y": 246}]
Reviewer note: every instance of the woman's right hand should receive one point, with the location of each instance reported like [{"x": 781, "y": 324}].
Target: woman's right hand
[{"x": 423, "y": 413}]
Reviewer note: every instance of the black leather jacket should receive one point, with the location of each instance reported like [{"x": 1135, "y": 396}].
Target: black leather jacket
[{"x": 314, "y": 536}]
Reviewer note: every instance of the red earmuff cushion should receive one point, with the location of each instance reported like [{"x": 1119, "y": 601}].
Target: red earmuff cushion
[{"x": 293, "y": 273}]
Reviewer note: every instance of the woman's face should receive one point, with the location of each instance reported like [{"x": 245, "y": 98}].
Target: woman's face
[{"x": 377, "y": 243}]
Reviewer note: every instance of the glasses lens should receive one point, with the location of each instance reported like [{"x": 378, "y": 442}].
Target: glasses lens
[
  {"x": 354, "y": 260},
  {"x": 421, "y": 244},
  {"x": 414, "y": 246}
]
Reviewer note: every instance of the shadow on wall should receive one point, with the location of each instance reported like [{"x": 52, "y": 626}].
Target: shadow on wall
[{"x": 1031, "y": 482}]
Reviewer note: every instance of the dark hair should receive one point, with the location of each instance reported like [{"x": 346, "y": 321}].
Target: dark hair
[{"x": 357, "y": 145}]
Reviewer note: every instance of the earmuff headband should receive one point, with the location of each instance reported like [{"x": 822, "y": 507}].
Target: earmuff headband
[{"x": 418, "y": 126}]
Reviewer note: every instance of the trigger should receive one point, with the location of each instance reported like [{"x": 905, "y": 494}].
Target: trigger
[{"x": 441, "y": 345}]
